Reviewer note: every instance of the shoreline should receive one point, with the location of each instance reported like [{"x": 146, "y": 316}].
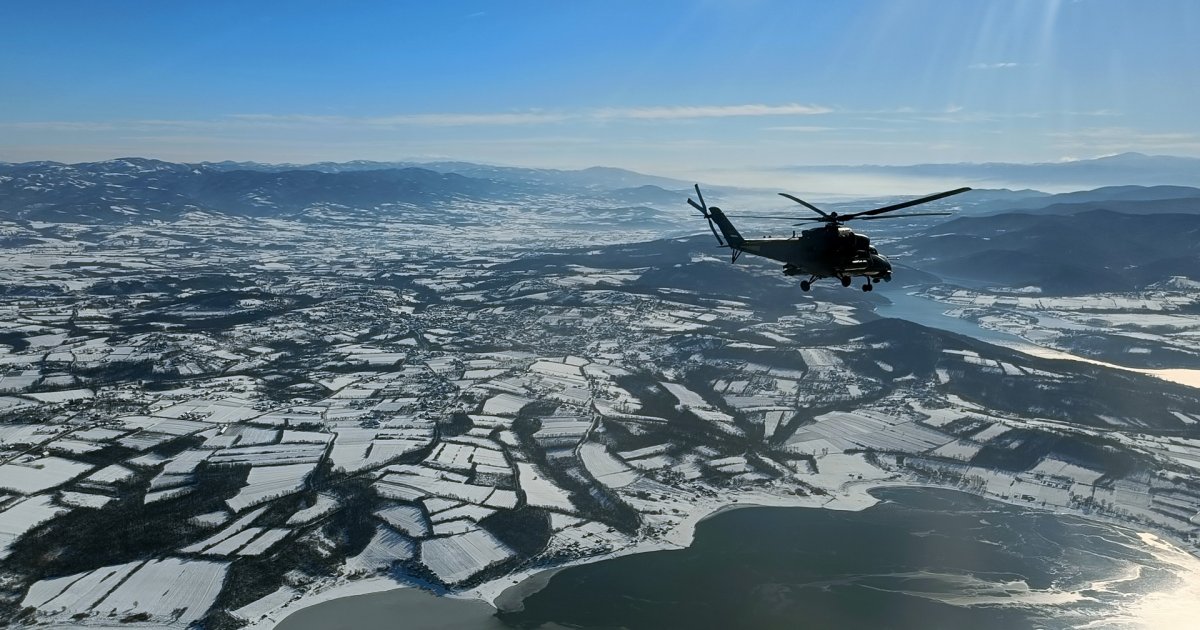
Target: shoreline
[
  {"x": 854, "y": 497},
  {"x": 530, "y": 582},
  {"x": 493, "y": 591},
  {"x": 501, "y": 592},
  {"x": 1188, "y": 377},
  {"x": 337, "y": 588},
  {"x": 507, "y": 593}
]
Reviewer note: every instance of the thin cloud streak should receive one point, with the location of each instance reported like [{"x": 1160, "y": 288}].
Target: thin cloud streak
[
  {"x": 403, "y": 120},
  {"x": 441, "y": 119},
  {"x": 243, "y": 122},
  {"x": 56, "y": 125},
  {"x": 449, "y": 119},
  {"x": 804, "y": 128},
  {"x": 715, "y": 111},
  {"x": 1119, "y": 139}
]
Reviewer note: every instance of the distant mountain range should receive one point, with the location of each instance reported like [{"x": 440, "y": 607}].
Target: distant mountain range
[
  {"x": 1125, "y": 168},
  {"x": 1112, "y": 238},
  {"x": 1130, "y": 199},
  {"x": 137, "y": 189},
  {"x": 596, "y": 177},
  {"x": 1124, "y": 247}
]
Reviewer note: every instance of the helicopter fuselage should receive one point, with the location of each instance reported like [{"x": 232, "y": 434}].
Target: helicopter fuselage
[
  {"x": 823, "y": 252},
  {"x": 830, "y": 251}
]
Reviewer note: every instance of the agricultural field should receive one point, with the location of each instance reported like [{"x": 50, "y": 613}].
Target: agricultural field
[{"x": 204, "y": 420}]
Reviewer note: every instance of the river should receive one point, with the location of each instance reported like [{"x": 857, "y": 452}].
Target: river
[{"x": 931, "y": 313}]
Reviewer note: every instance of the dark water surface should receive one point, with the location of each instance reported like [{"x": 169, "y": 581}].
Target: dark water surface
[
  {"x": 405, "y": 608},
  {"x": 922, "y": 558}
]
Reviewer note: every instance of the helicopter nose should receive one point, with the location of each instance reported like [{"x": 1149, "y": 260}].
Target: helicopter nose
[
  {"x": 881, "y": 266},
  {"x": 886, "y": 275}
]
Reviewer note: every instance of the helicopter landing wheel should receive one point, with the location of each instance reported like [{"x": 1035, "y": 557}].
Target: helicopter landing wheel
[
  {"x": 868, "y": 287},
  {"x": 845, "y": 281},
  {"x": 805, "y": 285}
]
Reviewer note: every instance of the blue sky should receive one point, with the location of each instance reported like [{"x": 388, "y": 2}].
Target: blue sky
[{"x": 668, "y": 87}]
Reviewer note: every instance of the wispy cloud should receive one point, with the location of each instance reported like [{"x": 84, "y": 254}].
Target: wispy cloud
[
  {"x": 1119, "y": 139},
  {"x": 784, "y": 118},
  {"x": 449, "y": 119},
  {"x": 1123, "y": 133},
  {"x": 999, "y": 65},
  {"x": 803, "y": 128},
  {"x": 711, "y": 111},
  {"x": 62, "y": 125},
  {"x": 436, "y": 119},
  {"x": 671, "y": 112},
  {"x": 464, "y": 120}
]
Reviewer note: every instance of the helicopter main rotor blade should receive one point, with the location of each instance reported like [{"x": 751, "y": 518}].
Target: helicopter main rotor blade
[
  {"x": 913, "y": 214},
  {"x": 765, "y": 216},
  {"x": 697, "y": 206},
  {"x": 804, "y": 203},
  {"x": 906, "y": 204}
]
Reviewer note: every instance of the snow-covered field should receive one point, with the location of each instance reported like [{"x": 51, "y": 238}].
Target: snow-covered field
[
  {"x": 407, "y": 519},
  {"x": 268, "y": 482},
  {"x": 457, "y": 558},
  {"x": 386, "y": 546},
  {"x": 172, "y": 592},
  {"x": 607, "y": 469},
  {"x": 541, "y": 492},
  {"x": 33, "y": 475},
  {"x": 17, "y": 519},
  {"x": 409, "y": 404}
]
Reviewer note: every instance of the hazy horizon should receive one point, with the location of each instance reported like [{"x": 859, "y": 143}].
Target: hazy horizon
[
  {"x": 838, "y": 182},
  {"x": 683, "y": 89}
]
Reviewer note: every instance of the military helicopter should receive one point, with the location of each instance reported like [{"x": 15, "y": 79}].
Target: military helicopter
[{"x": 829, "y": 251}]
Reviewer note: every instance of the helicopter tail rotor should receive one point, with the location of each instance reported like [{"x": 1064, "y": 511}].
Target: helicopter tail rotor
[{"x": 703, "y": 208}]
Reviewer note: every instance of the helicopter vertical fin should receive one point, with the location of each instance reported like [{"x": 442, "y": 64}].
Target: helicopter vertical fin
[{"x": 731, "y": 234}]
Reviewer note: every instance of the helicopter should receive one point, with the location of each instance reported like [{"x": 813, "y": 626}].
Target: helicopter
[{"x": 830, "y": 251}]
